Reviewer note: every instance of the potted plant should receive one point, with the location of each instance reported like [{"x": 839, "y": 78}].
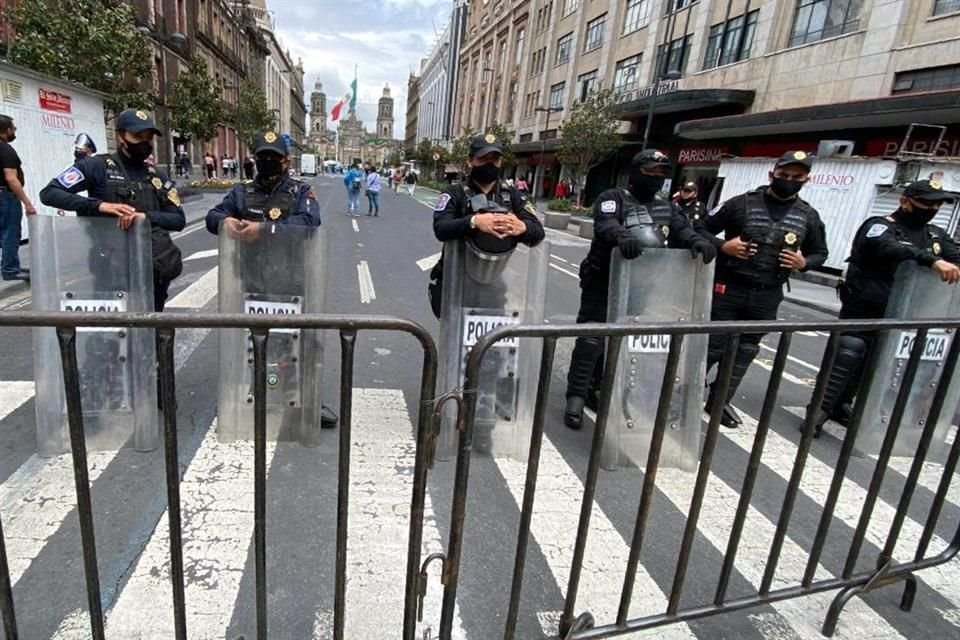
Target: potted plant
[{"x": 558, "y": 214}]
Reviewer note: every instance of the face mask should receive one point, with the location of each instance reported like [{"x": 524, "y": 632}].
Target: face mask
[
  {"x": 268, "y": 168},
  {"x": 785, "y": 189},
  {"x": 11, "y": 137},
  {"x": 79, "y": 155},
  {"x": 485, "y": 173},
  {"x": 687, "y": 199},
  {"x": 644, "y": 186},
  {"x": 138, "y": 151},
  {"x": 922, "y": 215}
]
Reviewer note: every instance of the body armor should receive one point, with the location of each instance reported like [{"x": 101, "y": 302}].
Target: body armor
[
  {"x": 269, "y": 207},
  {"x": 771, "y": 237},
  {"x": 657, "y": 213}
]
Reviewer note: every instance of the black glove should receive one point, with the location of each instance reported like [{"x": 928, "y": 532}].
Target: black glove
[
  {"x": 630, "y": 246},
  {"x": 704, "y": 249}
]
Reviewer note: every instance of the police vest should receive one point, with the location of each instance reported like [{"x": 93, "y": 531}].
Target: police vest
[
  {"x": 771, "y": 237},
  {"x": 658, "y": 213},
  {"x": 265, "y": 207}
]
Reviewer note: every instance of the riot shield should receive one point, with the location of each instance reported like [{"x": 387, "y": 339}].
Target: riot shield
[
  {"x": 660, "y": 285},
  {"x": 88, "y": 264},
  {"x": 508, "y": 380},
  {"x": 917, "y": 293},
  {"x": 282, "y": 272}
]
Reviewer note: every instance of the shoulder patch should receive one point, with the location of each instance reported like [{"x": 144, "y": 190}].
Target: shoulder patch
[
  {"x": 529, "y": 208},
  {"x": 714, "y": 211},
  {"x": 70, "y": 177},
  {"x": 442, "y": 202},
  {"x": 876, "y": 230},
  {"x": 608, "y": 206}
]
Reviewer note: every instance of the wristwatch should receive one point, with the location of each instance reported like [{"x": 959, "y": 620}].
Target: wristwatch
[{"x": 472, "y": 222}]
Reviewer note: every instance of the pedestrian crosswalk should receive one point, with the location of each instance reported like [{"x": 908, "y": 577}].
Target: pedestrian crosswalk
[{"x": 37, "y": 501}]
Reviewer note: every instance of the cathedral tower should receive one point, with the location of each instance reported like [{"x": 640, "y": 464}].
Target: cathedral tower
[{"x": 385, "y": 115}]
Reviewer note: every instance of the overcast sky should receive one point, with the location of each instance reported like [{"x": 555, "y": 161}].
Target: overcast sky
[{"x": 385, "y": 39}]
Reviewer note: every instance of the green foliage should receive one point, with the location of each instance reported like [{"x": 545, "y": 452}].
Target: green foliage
[
  {"x": 93, "y": 42},
  {"x": 461, "y": 148},
  {"x": 195, "y": 103},
  {"x": 560, "y": 204},
  {"x": 505, "y": 137},
  {"x": 433, "y": 184},
  {"x": 461, "y": 145},
  {"x": 395, "y": 159},
  {"x": 588, "y": 136},
  {"x": 253, "y": 115}
]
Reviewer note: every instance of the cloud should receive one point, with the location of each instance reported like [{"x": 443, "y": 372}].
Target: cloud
[{"x": 384, "y": 39}]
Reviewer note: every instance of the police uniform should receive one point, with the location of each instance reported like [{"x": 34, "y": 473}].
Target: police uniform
[
  {"x": 752, "y": 289},
  {"x": 612, "y": 212},
  {"x": 117, "y": 178},
  {"x": 879, "y": 246},
  {"x": 693, "y": 210}
]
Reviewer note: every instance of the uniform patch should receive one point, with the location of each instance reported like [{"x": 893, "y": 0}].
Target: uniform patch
[
  {"x": 608, "y": 206},
  {"x": 70, "y": 177},
  {"x": 529, "y": 208},
  {"x": 937, "y": 248},
  {"x": 876, "y": 230},
  {"x": 173, "y": 197},
  {"x": 442, "y": 202}
]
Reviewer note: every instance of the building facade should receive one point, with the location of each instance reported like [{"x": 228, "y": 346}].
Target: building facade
[
  {"x": 410, "y": 138},
  {"x": 434, "y": 98},
  {"x": 734, "y": 77},
  {"x": 320, "y": 139},
  {"x": 356, "y": 145}
]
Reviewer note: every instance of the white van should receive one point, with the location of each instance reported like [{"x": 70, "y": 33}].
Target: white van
[{"x": 308, "y": 164}]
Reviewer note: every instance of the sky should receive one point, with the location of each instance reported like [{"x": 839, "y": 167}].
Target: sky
[{"x": 385, "y": 39}]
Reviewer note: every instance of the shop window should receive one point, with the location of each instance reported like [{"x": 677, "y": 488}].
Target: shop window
[{"x": 935, "y": 79}]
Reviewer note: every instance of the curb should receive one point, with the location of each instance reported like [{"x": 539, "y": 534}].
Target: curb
[{"x": 809, "y": 304}]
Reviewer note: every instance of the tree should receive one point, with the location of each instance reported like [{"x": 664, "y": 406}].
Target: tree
[
  {"x": 461, "y": 148},
  {"x": 253, "y": 115},
  {"x": 461, "y": 145},
  {"x": 588, "y": 137},
  {"x": 425, "y": 152},
  {"x": 195, "y": 103},
  {"x": 395, "y": 159},
  {"x": 93, "y": 42}
]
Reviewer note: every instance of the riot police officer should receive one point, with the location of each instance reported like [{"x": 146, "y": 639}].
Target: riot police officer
[
  {"x": 769, "y": 233},
  {"x": 688, "y": 201},
  {"x": 879, "y": 246},
  {"x": 629, "y": 219},
  {"x": 461, "y": 211},
  {"x": 83, "y": 147},
  {"x": 123, "y": 185}
]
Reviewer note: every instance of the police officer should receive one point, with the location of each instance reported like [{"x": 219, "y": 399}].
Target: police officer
[
  {"x": 83, "y": 147},
  {"x": 879, "y": 246},
  {"x": 123, "y": 185},
  {"x": 769, "y": 233},
  {"x": 629, "y": 219},
  {"x": 273, "y": 196},
  {"x": 689, "y": 203}
]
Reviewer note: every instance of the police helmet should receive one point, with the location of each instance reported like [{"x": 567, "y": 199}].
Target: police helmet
[{"x": 83, "y": 141}]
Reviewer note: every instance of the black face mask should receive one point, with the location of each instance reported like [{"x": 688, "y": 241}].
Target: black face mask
[
  {"x": 137, "y": 151},
  {"x": 269, "y": 168},
  {"x": 920, "y": 216},
  {"x": 485, "y": 173},
  {"x": 644, "y": 186},
  {"x": 785, "y": 189},
  {"x": 79, "y": 155},
  {"x": 688, "y": 199},
  {"x": 11, "y": 137}
]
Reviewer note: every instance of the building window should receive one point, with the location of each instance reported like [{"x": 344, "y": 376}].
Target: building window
[
  {"x": 521, "y": 36},
  {"x": 626, "y": 73},
  {"x": 511, "y": 101},
  {"x": 526, "y": 137},
  {"x": 676, "y": 5},
  {"x": 638, "y": 15},
  {"x": 818, "y": 19},
  {"x": 673, "y": 56},
  {"x": 587, "y": 84},
  {"x": 548, "y": 134},
  {"x": 730, "y": 41},
  {"x": 569, "y": 6},
  {"x": 564, "y": 45},
  {"x": 941, "y": 7},
  {"x": 502, "y": 56},
  {"x": 935, "y": 79},
  {"x": 544, "y": 15},
  {"x": 595, "y": 33},
  {"x": 556, "y": 95},
  {"x": 537, "y": 61}
]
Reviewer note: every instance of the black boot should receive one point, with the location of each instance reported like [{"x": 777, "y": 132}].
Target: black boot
[
  {"x": 593, "y": 400},
  {"x": 328, "y": 418},
  {"x": 573, "y": 414}
]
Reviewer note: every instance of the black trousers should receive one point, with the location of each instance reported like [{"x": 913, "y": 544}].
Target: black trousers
[
  {"x": 586, "y": 363},
  {"x": 737, "y": 302},
  {"x": 852, "y": 351}
]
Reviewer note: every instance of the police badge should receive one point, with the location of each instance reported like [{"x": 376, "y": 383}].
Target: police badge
[
  {"x": 937, "y": 248},
  {"x": 156, "y": 182},
  {"x": 173, "y": 197},
  {"x": 270, "y": 137},
  {"x": 274, "y": 213},
  {"x": 142, "y": 115},
  {"x": 666, "y": 230},
  {"x": 790, "y": 238},
  {"x": 490, "y": 138}
]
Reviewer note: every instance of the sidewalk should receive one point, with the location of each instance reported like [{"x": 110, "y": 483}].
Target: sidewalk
[{"x": 818, "y": 295}]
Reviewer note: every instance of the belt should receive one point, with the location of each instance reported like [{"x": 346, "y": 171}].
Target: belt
[{"x": 746, "y": 283}]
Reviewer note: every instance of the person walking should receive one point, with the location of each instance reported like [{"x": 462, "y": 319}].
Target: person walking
[
  {"x": 522, "y": 186},
  {"x": 411, "y": 181},
  {"x": 211, "y": 165},
  {"x": 248, "y": 165},
  {"x": 224, "y": 166},
  {"x": 12, "y": 196},
  {"x": 353, "y": 181},
  {"x": 373, "y": 191}
]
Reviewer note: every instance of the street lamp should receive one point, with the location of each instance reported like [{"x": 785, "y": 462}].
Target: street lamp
[
  {"x": 670, "y": 76},
  {"x": 178, "y": 39},
  {"x": 549, "y": 110}
]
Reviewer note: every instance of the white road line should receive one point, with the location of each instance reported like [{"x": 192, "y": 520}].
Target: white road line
[
  {"x": 554, "y": 525},
  {"x": 763, "y": 363},
  {"x": 556, "y": 257},
  {"x": 199, "y": 255},
  {"x": 367, "y": 293},
  {"x": 802, "y": 363},
  {"x": 197, "y": 294},
  {"x": 14, "y": 393},
  {"x": 427, "y": 263},
  {"x": 816, "y": 483},
  {"x": 566, "y": 271},
  {"x": 356, "y": 227}
]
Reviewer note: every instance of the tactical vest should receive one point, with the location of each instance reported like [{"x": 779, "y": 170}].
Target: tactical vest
[
  {"x": 269, "y": 207},
  {"x": 771, "y": 237},
  {"x": 659, "y": 214},
  {"x": 861, "y": 273}
]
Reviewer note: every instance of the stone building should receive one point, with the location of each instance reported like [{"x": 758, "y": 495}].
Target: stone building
[
  {"x": 410, "y": 138},
  {"x": 320, "y": 139},
  {"x": 356, "y": 144}
]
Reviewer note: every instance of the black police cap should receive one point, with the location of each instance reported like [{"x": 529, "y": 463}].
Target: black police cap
[
  {"x": 269, "y": 141},
  {"x": 928, "y": 191},
  {"x": 483, "y": 144},
  {"x": 801, "y": 158},
  {"x": 136, "y": 120},
  {"x": 651, "y": 158}
]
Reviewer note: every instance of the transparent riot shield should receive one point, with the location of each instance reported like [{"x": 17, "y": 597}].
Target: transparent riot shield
[
  {"x": 282, "y": 272},
  {"x": 508, "y": 381},
  {"x": 85, "y": 264},
  {"x": 917, "y": 293},
  {"x": 660, "y": 285}
]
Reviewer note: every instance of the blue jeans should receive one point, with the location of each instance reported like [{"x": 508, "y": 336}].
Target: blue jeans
[
  {"x": 374, "y": 198},
  {"x": 353, "y": 200},
  {"x": 11, "y": 213}
]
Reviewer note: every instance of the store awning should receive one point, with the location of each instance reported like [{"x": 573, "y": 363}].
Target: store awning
[
  {"x": 935, "y": 107},
  {"x": 684, "y": 100}
]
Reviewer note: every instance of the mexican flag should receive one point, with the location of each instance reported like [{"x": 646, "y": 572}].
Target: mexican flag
[{"x": 348, "y": 98}]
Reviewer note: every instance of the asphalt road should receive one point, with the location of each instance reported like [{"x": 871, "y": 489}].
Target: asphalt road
[{"x": 378, "y": 266}]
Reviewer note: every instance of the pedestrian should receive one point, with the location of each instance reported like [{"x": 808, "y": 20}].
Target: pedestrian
[
  {"x": 224, "y": 166},
  {"x": 125, "y": 186},
  {"x": 769, "y": 233},
  {"x": 879, "y": 246},
  {"x": 522, "y": 185},
  {"x": 234, "y": 166},
  {"x": 618, "y": 214},
  {"x": 13, "y": 202},
  {"x": 455, "y": 218},
  {"x": 274, "y": 197},
  {"x": 561, "y": 191},
  {"x": 353, "y": 181},
  {"x": 187, "y": 165},
  {"x": 210, "y": 164},
  {"x": 397, "y": 179},
  {"x": 689, "y": 203},
  {"x": 373, "y": 191},
  {"x": 411, "y": 181},
  {"x": 248, "y": 166}
]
